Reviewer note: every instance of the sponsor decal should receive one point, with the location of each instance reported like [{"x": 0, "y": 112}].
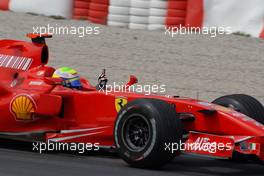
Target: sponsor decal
[
  {"x": 22, "y": 107},
  {"x": 201, "y": 143},
  {"x": 14, "y": 62},
  {"x": 120, "y": 102},
  {"x": 35, "y": 83}
]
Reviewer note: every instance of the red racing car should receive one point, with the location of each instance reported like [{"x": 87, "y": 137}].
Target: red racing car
[{"x": 146, "y": 130}]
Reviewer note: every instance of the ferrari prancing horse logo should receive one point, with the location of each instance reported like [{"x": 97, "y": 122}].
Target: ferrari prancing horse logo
[{"x": 120, "y": 102}]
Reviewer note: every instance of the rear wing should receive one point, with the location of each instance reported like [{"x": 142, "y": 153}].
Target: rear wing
[{"x": 38, "y": 38}]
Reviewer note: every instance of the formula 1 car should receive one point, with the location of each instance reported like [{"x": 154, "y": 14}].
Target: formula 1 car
[{"x": 147, "y": 131}]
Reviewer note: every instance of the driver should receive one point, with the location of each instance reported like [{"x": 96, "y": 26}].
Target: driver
[{"x": 70, "y": 77}]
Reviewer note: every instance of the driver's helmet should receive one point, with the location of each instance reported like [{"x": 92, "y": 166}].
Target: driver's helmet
[{"x": 69, "y": 76}]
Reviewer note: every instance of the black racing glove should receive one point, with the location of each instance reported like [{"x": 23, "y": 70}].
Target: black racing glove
[{"x": 102, "y": 81}]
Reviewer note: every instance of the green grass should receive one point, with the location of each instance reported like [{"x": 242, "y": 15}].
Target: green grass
[
  {"x": 57, "y": 17},
  {"x": 52, "y": 16},
  {"x": 242, "y": 34}
]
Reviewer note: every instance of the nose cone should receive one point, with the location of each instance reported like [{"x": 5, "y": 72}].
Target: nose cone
[{"x": 241, "y": 124}]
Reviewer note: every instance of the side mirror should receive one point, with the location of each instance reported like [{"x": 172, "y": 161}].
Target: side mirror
[
  {"x": 38, "y": 38},
  {"x": 133, "y": 80}
]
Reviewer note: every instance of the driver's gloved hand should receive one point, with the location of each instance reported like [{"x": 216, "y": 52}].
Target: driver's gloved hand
[{"x": 102, "y": 82}]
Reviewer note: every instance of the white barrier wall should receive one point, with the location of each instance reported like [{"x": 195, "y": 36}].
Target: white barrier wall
[
  {"x": 139, "y": 14},
  {"x": 44, "y": 7},
  {"x": 157, "y": 14},
  {"x": 118, "y": 13},
  {"x": 146, "y": 14},
  {"x": 245, "y": 16},
  {"x": 242, "y": 15}
]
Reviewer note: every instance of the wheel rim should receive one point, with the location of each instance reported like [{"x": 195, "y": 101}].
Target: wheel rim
[{"x": 136, "y": 132}]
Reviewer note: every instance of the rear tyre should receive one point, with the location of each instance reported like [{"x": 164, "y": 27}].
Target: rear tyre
[
  {"x": 142, "y": 129},
  {"x": 244, "y": 104}
]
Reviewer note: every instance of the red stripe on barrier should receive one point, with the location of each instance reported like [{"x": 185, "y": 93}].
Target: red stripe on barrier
[
  {"x": 98, "y": 11},
  {"x": 93, "y": 10},
  {"x": 76, "y": 17},
  {"x": 262, "y": 33},
  {"x": 100, "y": 1},
  {"x": 98, "y": 7},
  {"x": 170, "y": 21},
  {"x": 97, "y": 14},
  {"x": 80, "y": 12},
  {"x": 4, "y": 4},
  {"x": 176, "y": 12},
  {"x": 195, "y": 13},
  {"x": 179, "y": 5},
  {"x": 81, "y": 4},
  {"x": 97, "y": 20},
  {"x": 80, "y": 9}
]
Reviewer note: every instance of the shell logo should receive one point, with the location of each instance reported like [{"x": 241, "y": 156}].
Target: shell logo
[{"x": 23, "y": 107}]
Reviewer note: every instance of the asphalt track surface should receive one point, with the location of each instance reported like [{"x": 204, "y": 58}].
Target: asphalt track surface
[
  {"x": 20, "y": 160},
  {"x": 188, "y": 65}
]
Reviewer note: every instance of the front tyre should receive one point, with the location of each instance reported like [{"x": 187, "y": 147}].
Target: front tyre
[
  {"x": 244, "y": 104},
  {"x": 142, "y": 129}
]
